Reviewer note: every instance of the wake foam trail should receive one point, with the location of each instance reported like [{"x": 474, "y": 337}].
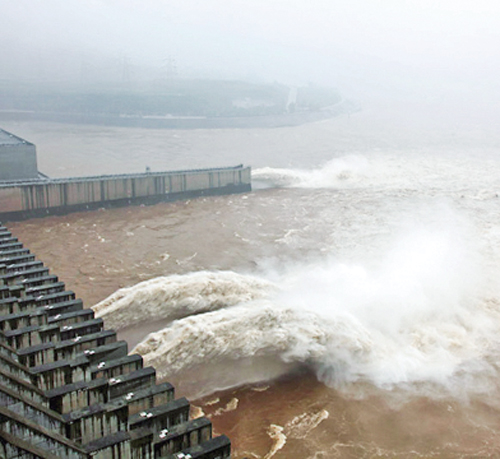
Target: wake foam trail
[
  {"x": 341, "y": 172},
  {"x": 174, "y": 297}
]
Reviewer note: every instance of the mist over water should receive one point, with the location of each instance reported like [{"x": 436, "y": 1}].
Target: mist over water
[
  {"x": 413, "y": 307},
  {"x": 415, "y": 314}
]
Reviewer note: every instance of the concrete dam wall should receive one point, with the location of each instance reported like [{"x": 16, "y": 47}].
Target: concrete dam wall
[
  {"x": 19, "y": 200},
  {"x": 70, "y": 389}
]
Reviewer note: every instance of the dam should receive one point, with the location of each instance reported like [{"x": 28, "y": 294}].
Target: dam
[{"x": 69, "y": 388}]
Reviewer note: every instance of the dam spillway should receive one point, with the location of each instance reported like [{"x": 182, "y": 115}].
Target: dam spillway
[{"x": 69, "y": 388}]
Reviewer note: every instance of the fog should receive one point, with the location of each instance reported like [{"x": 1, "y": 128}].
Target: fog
[{"x": 410, "y": 49}]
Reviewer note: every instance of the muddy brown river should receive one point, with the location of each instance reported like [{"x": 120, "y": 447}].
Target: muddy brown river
[{"x": 348, "y": 307}]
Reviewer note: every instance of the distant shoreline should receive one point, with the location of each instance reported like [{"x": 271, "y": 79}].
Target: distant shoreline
[{"x": 183, "y": 122}]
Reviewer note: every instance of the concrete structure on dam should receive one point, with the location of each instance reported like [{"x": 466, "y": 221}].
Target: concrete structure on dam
[
  {"x": 69, "y": 388},
  {"x": 17, "y": 158},
  {"x": 25, "y": 192},
  {"x": 25, "y": 199}
]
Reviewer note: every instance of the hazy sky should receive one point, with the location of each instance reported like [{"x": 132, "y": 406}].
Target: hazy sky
[{"x": 345, "y": 43}]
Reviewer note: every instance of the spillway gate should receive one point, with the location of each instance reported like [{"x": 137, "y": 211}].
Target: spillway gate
[{"x": 69, "y": 388}]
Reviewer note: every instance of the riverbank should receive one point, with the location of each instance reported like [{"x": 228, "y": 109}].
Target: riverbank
[
  {"x": 184, "y": 122},
  {"x": 174, "y": 104}
]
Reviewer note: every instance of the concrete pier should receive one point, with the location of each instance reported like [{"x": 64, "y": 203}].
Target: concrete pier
[
  {"x": 69, "y": 388},
  {"x": 26, "y": 193},
  {"x": 42, "y": 197}
]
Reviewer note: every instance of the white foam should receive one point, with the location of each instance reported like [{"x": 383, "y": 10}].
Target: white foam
[
  {"x": 338, "y": 172},
  {"x": 417, "y": 315},
  {"x": 173, "y": 297},
  {"x": 278, "y": 438},
  {"x": 302, "y": 425}
]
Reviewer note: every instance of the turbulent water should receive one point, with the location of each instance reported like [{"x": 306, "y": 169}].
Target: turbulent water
[{"x": 348, "y": 307}]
